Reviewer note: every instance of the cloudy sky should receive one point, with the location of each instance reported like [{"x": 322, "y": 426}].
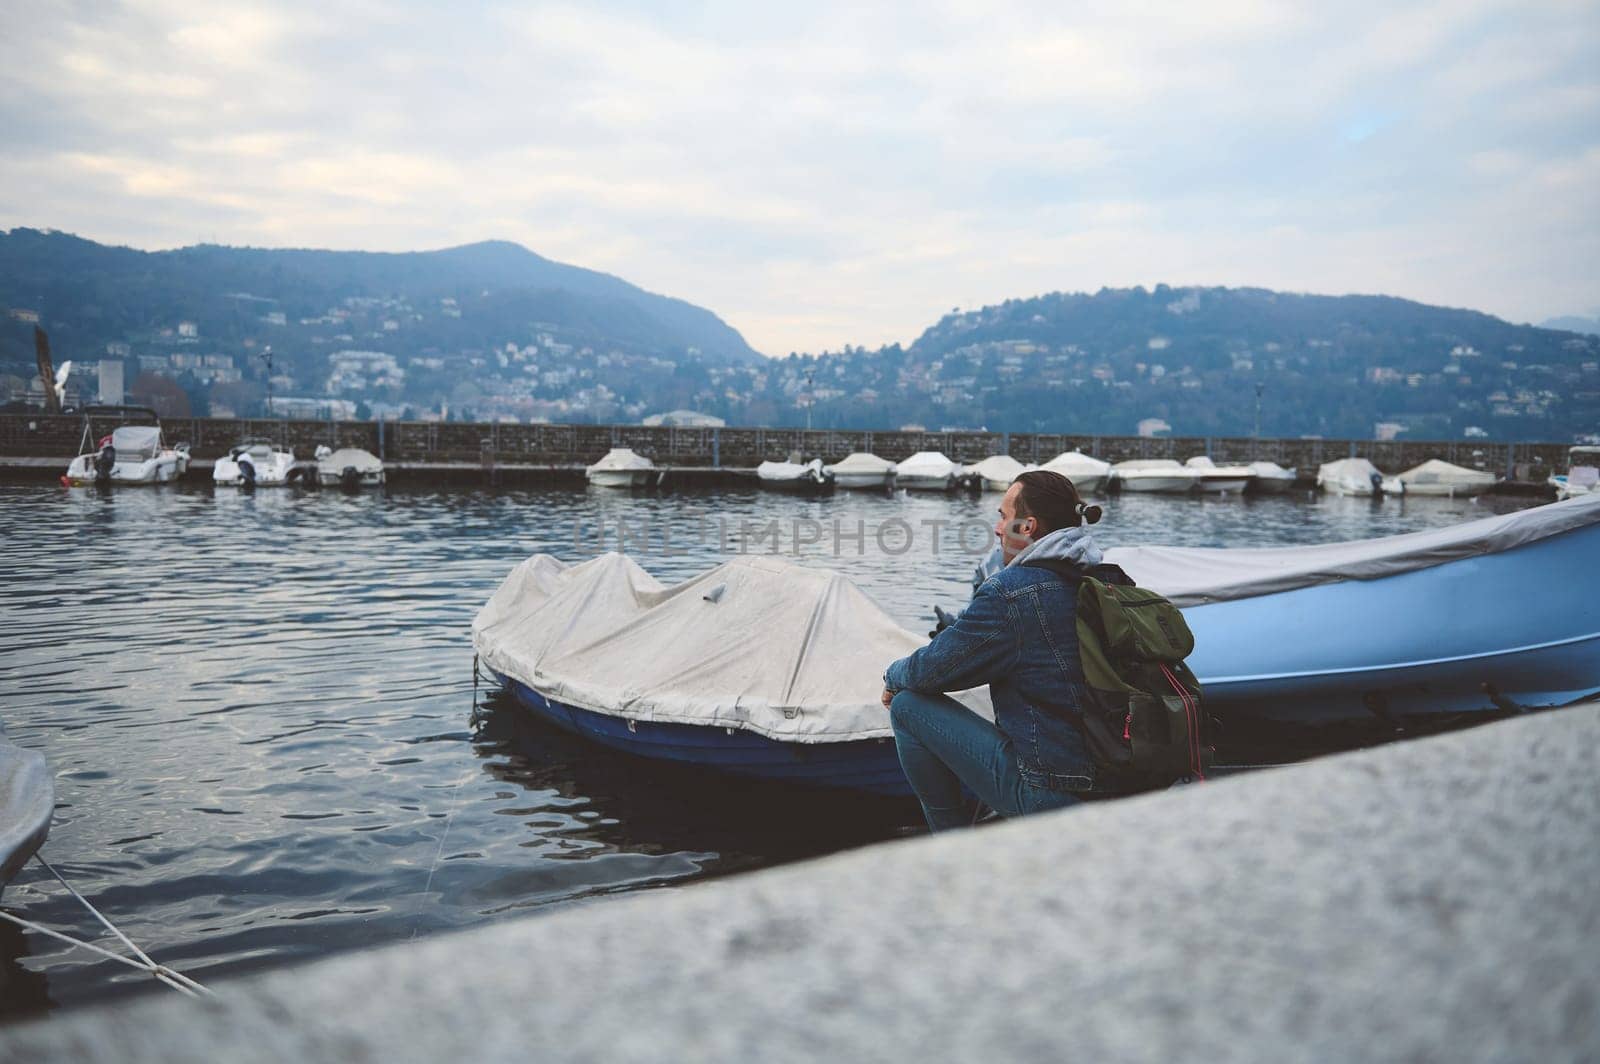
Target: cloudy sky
[{"x": 825, "y": 175}]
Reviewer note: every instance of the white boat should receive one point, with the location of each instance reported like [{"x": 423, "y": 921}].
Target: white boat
[
  {"x": 254, "y": 463},
  {"x": 1355, "y": 476},
  {"x": 862, "y": 470},
  {"x": 27, "y": 801},
  {"x": 1438, "y": 477},
  {"x": 622, "y": 468},
  {"x": 1163, "y": 475},
  {"x": 996, "y": 472},
  {"x": 1582, "y": 476},
  {"x": 348, "y": 467},
  {"x": 132, "y": 454},
  {"x": 1220, "y": 480},
  {"x": 926, "y": 471},
  {"x": 1271, "y": 478},
  {"x": 795, "y": 476},
  {"x": 1087, "y": 474}
]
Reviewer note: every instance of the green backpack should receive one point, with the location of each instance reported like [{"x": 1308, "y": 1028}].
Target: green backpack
[{"x": 1143, "y": 723}]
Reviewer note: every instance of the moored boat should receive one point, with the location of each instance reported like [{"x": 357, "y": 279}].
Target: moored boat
[
  {"x": 1086, "y": 473},
  {"x": 1355, "y": 476},
  {"x": 926, "y": 471},
  {"x": 996, "y": 472},
  {"x": 349, "y": 468},
  {"x": 254, "y": 463},
  {"x": 1163, "y": 475},
  {"x": 621, "y": 468},
  {"x": 805, "y": 477},
  {"x": 130, "y": 455},
  {"x": 1438, "y": 477},
  {"x": 27, "y": 802},
  {"x": 1582, "y": 476},
  {"x": 757, "y": 667},
  {"x": 1428, "y": 622},
  {"x": 1271, "y": 478},
  {"x": 1219, "y": 480},
  {"x": 862, "y": 470}
]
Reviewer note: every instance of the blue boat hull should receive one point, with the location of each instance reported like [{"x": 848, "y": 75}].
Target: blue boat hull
[
  {"x": 864, "y": 765},
  {"x": 1525, "y": 620}
]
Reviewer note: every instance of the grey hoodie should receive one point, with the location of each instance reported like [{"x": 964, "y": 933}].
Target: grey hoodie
[{"x": 1073, "y": 545}]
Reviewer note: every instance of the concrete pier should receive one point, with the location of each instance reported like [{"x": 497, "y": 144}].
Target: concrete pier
[{"x": 1428, "y": 901}]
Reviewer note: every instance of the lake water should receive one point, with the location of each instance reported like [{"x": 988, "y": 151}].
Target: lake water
[{"x": 259, "y": 708}]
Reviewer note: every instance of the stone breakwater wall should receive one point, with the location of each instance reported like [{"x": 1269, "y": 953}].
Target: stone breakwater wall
[{"x": 489, "y": 444}]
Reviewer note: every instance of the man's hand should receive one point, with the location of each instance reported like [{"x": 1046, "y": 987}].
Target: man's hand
[{"x": 888, "y": 696}]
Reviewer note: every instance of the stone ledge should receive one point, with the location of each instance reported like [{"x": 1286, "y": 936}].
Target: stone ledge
[{"x": 1433, "y": 900}]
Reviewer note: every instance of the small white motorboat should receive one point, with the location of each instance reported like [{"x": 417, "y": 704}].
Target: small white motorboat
[
  {"x": 1164, "y": 475},
  {"x": 1438, "y": 477},
  {"x": 996, "y": 472},
  {"x": 27, "y": 801},
  {"x": 132, "y": 454},
  {"x": 622, "y": 468},
  {"x": 1087, "y": 474},
  {"x": 348, "y": 467},
  {"x": 254, "y": 463},
  {"x": 1219, "y": 480},
  {"x": 1271, "y": 478},
  {"x": 804, "y": 477},
  {"x": 926, "y": 471},
  {"x": 862, "y": 470},
  {"x": 1355, "y": 476},
  {"x": 1582, "y": 476}
]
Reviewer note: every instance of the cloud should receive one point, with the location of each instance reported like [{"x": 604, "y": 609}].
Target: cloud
[{"x": 839, "y": 174}]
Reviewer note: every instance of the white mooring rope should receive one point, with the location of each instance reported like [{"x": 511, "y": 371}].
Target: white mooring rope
[{"x": 175, "y": 979}]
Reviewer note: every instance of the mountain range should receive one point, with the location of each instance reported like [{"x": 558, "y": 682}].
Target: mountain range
[{"x": 493, "y": 330}]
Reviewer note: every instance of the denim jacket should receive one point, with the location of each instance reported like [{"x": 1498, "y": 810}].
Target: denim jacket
[{"x": 1019, "y": 635}]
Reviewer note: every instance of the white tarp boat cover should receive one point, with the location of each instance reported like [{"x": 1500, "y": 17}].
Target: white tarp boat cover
[
  {"x": 1271, "y": 471},
  {"x": 756, "y": 643},
  {"x": 136, "y": 443},
  {"x": 1000, "y": 468},
  {"x": 1077, "y": 464},
  {"x": 1438, "y": 471},
  {"x": 350, "y": 457},
  {"x": 861, "y": 462},
  {"x": 1204, "y": 465},
  {"x": 927, "y": 464},
  {"x": 1193, "y": 576},
  {"x": 1350, "y": 471},
  {"x": 623, "y": 458},
  {"x": 787, "y": 471},
  {"x": 27, "y": 801}
]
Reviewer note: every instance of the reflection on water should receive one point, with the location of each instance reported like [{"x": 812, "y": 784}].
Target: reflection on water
[{"x": 258, "y": 706}]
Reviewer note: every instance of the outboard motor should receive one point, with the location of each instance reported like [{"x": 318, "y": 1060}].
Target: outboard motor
[
  {"x": 103, "y": 463},
  {"x": 349, "y": 478},
  {"x": 247, "y": 472},
  {"x": 1377, "y": 482}
]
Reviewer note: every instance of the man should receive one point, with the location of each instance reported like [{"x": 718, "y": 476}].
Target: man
[{"x": 1019, "y": 636}]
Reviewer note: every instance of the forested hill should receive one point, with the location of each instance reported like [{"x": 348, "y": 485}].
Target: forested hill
[
  {"x": 1194, "y": 357},
  {"x": 90, "y": 294}
]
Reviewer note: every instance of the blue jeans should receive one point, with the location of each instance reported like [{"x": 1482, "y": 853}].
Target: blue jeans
[{"x": 943, "y": 745}]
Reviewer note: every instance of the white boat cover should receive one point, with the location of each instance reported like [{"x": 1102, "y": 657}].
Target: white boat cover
[
  {"x": 757, "y": 643},
  {"x": 27, "y": 801},
  {"x": 1352, "y": 472},
  {"x": 1271, "y": 471},
  {"x": 927, "y": 464},
  {"x": 1072, "y": 464},
  {"x": 136, "y": 443},
  {"x": 346, "y": 457},
  {"x": 1001, "y": 468},
  {"x": 1205, "y": 466},
  {"x": 784, "y": 472},
  {"x": 862, "y": 462},
  {"x": 1438, "y": 471},
  {"x": 622, "y": 458},
  {"x": 1194, "y": 576}
]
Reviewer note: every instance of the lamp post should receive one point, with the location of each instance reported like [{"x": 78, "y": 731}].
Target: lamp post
[
  {"x": 1255, "y": 451},
  {"x": 811, "y": 395}
]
